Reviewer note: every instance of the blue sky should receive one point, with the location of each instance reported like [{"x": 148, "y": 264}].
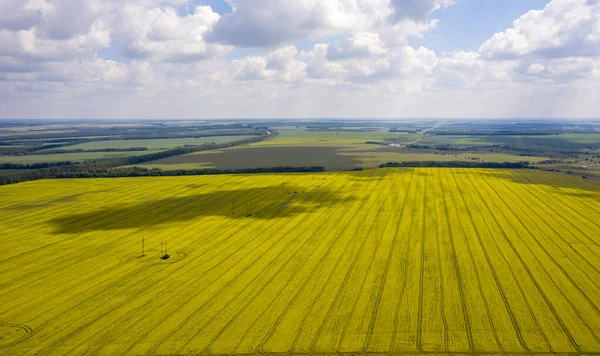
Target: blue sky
[
  {"x": 468, "y": 23},
  {"x": 300, "y": 58}
]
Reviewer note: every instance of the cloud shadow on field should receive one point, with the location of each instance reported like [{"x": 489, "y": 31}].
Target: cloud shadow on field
[
  {"x": 44, "y": 203},
  {"x": 589, "y": 188},
  {"x": 251, "y": 203}
]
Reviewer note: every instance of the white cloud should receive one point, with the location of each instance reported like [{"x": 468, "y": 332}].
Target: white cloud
[
  {"x": 267, "y": 23},
  {"x": 362, "y": 44},
  {"x": 417, "y": 10},
  {"x": 318, "y": 67},
  {"x": 159, "y": 33},
  {"x": 284, "y": 61},
  {"x": 564, "y": 28},
  {"x": 251, "y": 68},
  {"x": 27, "y": 45},
  {"x": 19, "y": 14}
]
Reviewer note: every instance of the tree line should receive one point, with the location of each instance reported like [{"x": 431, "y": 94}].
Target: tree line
[
  {"x": 157, "y": 172},
  {"x": 457, "y": 164},
  {"x": 54, "y": 171},
  {"x": 80, "y": 150},
  {"x": 35, "y": 165}
]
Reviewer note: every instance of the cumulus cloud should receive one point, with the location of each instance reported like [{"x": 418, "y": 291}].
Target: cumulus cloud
[
  {"x": 564, "y": 28},
  {"x": 284, "y": 61},
  {"x": 251, "y": 68},
  {"x": 27, "y": 45},
  {"x": 417, "y": 10},
  {"x": 363, "y": 44},
  {"x": 267, "y": 23},
  {"x": 160, "y": 33},
  {"x": 557, "y": 69},
  {"x": 317, "y": 65},
  {"x": 19, "y": 14}
]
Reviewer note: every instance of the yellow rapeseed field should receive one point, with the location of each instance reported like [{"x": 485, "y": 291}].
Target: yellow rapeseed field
[{"x": 404, "y": 261}]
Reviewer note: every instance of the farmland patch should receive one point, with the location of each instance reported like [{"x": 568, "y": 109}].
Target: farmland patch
[{"x": 401, "y": 261}]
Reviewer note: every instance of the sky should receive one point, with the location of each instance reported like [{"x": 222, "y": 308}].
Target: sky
[{"x": 170, "y": 59}]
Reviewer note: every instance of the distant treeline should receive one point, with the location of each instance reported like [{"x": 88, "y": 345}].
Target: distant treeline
[
  {"x": 457, "y": 164},
  {"x": 52, "y": 152},
  {"x": 36, "y": 165},
  {"x": 156, "y": 172},
  {"x": 407, "y": 131},
  {"x": 118, "y": 133},
  {"x": 106, "y": 166},
  {"x": 441, "y": 147},
  {"x": 493, "y": 133}
]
